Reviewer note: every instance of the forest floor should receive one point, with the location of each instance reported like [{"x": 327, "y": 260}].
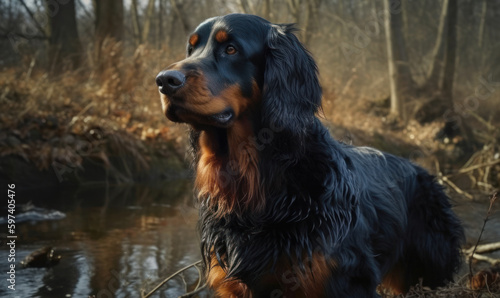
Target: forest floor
[
  {"x": 87, "y": 125},
  {"x": 80, "y": 126}
]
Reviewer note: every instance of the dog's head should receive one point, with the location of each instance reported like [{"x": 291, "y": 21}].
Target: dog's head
[{"x": 240, "y": 65}]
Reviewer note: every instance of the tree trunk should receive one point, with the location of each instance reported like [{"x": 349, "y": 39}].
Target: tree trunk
[
  {"x": 294, "y": 8},
  {"x": 247, "y": 6},
  {"x": 108, "y": 25},
  {"x": 451, "y": 48},
  {"x": 397, "y": 109},
  {"x": 306, "y": 26},
  {"x": 435, "y": 71},
  {"x": 405, "y": 82},
  {"x": 172, "y": 20},
  {"x": 457, "y": 122},
  {"x": 64, "y": 45},
  {"x": 136, "y": 28},
  {"x": 266, "y": 9},
  {"x": 159, "y": 32},
  {"x": 401, "y": 81},
  {"x": 109, "y": 19},
  {"x": 177, "y": 8},
  {"x": 404, "y": 11},
  {"x": 147, "y": 20},
  {"x": 481, "y": 24},
  {"x": 310, "y": 20}
]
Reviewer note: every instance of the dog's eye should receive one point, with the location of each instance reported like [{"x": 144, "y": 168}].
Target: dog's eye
[
  {"x": 190, "y": 50},
  {"x": 231, "y": 50}
]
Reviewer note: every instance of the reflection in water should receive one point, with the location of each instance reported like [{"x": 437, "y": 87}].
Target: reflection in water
[
  {"x": 472, "y": 214},
  {"x": 118, "y": 241},
  {"x": 114, "y": 242}
]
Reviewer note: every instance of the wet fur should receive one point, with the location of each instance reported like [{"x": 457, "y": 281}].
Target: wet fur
[{"x": 301, "y": 214}]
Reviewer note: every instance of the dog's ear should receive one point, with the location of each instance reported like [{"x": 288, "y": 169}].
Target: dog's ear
[{"x": 291, "y": 93}]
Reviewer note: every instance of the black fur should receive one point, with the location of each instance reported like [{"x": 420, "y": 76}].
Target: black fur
[{"x": 366, "y": 210}]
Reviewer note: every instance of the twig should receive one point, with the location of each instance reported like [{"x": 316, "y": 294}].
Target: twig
[
  {"x": 75, "y": 118},
  {"x": 492, "y": 261},
  {"x": 33, "y": 17},
  {"x": 199, "y": 277},
  {"x": 484, "y": 248},
  {"x": 30, "y": 69},
  {"x": 456, "y": 188},
  {"x": 488, "y": 213},
  {"x": 169, "y": 278},
  {"x": 194, "y": 292},
  {"x": 475, "y": 167},
  {"x": 85, "y": 10},
  {"x": 481, "y": 119},
  {"x": 473, "y": 158}
]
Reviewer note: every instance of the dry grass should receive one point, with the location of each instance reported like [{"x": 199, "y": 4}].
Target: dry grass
[
  {"x": 103, "y": 108},
  {"x": 112, "y": 107}
]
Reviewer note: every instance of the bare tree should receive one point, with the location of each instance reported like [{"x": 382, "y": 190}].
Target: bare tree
[
  {"x": 266, "y": 9},
  {"x": 451, "y": 49},
  {"x": 159, "y": 29},
  {"x": 294, "y": 8},
  {"x": 310, "y": 25},
  {"x": 109, "y": 19},
  {"x": 397, "y": 109},
  {"x": 247, "y": 6},
  {"x": 401, "y": 82},
  {"x": 484, "y": 5},
  {"x": 147, "y": 20},
  {"x": 435, "y": 71},
  {"x": 64, "y": 45},
  {"x": 109, "y": 24},
  {"x": 405, "y": 80},
  {"x": 136, "y": 28},
  {"x": 177, "y": 8}
]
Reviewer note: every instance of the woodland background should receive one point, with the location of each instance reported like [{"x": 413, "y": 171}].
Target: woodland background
[
  {"x": 430, "y": 72},
  {"x": 420, "y": 79}
]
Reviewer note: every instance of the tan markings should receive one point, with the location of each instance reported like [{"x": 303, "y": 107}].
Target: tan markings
[
  {"x": 233, "y": 181},
  {"x": 164, "y": 102},
  {"x": 196, "y": 96},
  {"x": 311, "y": 281},
  {"x": 193, "y": 39},
  {"x": 394, "y": 281},
  {"x": 216, "y": 279},
  {"x": 243, "y": 151},
  {"x": 289, "y": 280},
  {"x": 294, "y": 280},
  {"x": 221, "y": 36}
]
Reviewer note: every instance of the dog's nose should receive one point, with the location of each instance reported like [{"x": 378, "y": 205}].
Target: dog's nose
[{"x": 169, "y": 81}]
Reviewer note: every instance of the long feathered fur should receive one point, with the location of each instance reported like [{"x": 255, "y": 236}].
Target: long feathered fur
[{"x": 337, "y": 220}]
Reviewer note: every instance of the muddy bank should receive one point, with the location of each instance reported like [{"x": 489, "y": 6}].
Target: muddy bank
[{"x": 95, "y": 169}]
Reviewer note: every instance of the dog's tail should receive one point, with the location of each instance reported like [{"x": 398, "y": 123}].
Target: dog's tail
[{"x": 434, "y": 237}]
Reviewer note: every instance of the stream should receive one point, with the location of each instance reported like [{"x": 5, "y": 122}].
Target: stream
[{"x": 118, "y": 241}]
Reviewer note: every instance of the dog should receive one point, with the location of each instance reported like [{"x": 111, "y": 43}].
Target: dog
[{"x": 285, "y": 209}]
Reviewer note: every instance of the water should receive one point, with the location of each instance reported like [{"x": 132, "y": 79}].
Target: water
[
  {"x": 118, "y": 241},
  {"x": 113, "y": 243}
]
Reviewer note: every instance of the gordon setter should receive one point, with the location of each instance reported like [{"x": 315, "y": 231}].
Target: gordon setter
[{"x": 286, "y": 210}]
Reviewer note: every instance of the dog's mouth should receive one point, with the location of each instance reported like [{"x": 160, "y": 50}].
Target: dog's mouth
[
  {"x": 180, "y": 114},
  {"x": 224, "y": 117}
]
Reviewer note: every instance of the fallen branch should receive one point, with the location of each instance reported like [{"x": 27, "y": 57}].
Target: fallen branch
[
  {"x": 490, "y": 260},
  {"x": 456, "y": 188},
  {"x": 39, "y": 27},
  {"x": 475, "y": 167},
  {"x": 484, "y": 248},
  {"x": 170, "y": 277},
  {"x": 488, "y": 213},
  {"x": 194, "y": 292}
]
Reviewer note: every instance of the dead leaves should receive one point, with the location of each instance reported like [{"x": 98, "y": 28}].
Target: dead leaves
[{"x": 486, "y": 279}]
